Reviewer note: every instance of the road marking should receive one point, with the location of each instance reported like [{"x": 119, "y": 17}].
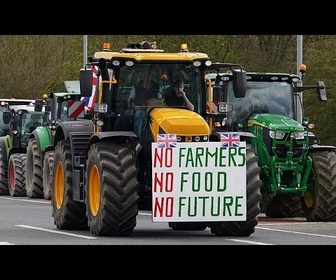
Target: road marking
[
  {"x": 35, "y": 200},
  {"x": 6, "y": 243},
  {"x": 234, "y": 240},
  {"x": 250, "y": 242},
  {"x": 148, "y": 213},
  {"x": 57, "y": 232},
  {"x": 145, "y": 213},
  {"x": 297, "y": 232}
]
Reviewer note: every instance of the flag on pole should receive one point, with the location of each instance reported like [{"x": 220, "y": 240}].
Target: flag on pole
[{"x": 90, "y": 101}]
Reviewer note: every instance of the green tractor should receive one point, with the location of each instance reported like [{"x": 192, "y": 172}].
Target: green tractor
[
  {"x": 297, "y": 171},
  {"x": 40, "y": 154},
  {"x": 19, "y": 122}
]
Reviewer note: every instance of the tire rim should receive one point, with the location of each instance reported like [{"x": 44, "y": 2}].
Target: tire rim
[
  {"x": 59, "y": 185},
  {"x": 11, "y": 176},
  {"x": 309, "y": 199},
  {"x": 94, "y": 191}
]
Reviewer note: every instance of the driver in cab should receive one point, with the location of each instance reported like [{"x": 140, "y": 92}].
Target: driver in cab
[
  {"x": 144, "y": 90},
  {"x": 178, "y": 97}
]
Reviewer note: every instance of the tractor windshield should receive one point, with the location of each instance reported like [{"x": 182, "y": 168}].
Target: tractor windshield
[
  {"x": 31, "y": 120},
  {"x": 263, "y": 97},
  {"x": 163, "y": 76}
]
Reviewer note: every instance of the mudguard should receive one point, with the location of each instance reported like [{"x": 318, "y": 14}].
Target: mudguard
[
  {"x": 6, "y": 145},
  {"x": 42, "y": 134},
  {"x": 64, "y": 129}
]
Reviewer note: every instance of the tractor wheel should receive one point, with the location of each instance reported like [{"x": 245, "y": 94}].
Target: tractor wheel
[
  {"x": 112, "y": 189},
  {"x": 3, "y": 169},
  {"x": 282, "y": 205},
  {"x": 187, "y": 226},
  {"x": 16, "y": 175},
  {"x": 48, "y": 161},
  {"x": 68, "y": 214},
  {"x": 253, "y": 200},
  {"x": 34, "y": 170},
  {"x": 319, "y": 201}
]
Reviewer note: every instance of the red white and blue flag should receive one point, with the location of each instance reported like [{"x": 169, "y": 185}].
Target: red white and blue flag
[
  {"x": 230, "y": 140},
  {"x": 166, "y": 141},
  {"x": 90, "y": 101}
]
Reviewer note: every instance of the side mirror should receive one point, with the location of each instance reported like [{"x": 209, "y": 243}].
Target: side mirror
[
  {"x": 6, "y": 116},
  {"x": 85, "y": 82},
  {"x": 217, "y": 93},
  {"x": 38, "y": 105},
  {"x": 239, "y": 83},
  {"x": 321, "y": 91},
  {"x": 47, "y": 107}
]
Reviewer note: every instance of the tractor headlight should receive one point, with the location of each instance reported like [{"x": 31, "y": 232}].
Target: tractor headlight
[
  {"x": 197, "y": 63},
  {"x": 100, "y": 123},
  {"x": 299, "y": 135},
  {"x": 115, "y": 62},
  {"x": 279, "y": 135},
  {"x": 224, "y": 107},
  {"x": 129, "y": 63},
  {"x": 100, "y": 108}
]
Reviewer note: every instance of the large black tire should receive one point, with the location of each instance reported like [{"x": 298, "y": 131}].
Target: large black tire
[
  {"x": 34, "y": 170},
  {"x": 282, "y": 205},
  {"x": 48, "y": 162},
  {"x": 319, "y": 202},
  {"x": 16, "y": 175},
  {"x": 3, "y": 170},
  {"x": 68, "y": 214},
  {"x": 253, "y": 200},
  {"x": 112, "y": 189}
]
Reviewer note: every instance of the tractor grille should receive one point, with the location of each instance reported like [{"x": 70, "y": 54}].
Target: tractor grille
[{"x": 286, "y": 146}]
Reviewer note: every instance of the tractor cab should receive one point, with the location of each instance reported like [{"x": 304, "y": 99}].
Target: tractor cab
[{"x": 119, "y": 73}]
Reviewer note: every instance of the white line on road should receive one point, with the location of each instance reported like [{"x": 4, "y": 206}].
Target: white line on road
[
  {"x": 58, "y": 232},
  {"x": 35, "y": 200},
  {"x": 297, "y": 232},
  {"x": 250, "y": 242},
  {"x": 145, "y": 213},
  {"x": 6, "y": 243}
]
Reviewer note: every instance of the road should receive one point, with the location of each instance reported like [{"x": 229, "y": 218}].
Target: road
[{"x": 25, "y": 221}]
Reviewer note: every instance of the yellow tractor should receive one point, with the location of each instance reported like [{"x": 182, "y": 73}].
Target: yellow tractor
[{"x": 191, "y": 176}]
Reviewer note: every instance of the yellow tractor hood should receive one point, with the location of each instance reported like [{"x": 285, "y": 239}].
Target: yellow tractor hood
[{"x": 177, "y": 121}]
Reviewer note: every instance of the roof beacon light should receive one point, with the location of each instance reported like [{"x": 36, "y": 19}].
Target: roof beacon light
[
  {"x": 106, "y": 46},
  {"x": 184, "y": 48},
  {"x": 303, "y": 68}
]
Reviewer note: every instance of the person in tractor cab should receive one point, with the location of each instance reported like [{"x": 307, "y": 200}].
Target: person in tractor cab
[
  {"x": 177, "y": 97},
  {"x": 277, "y": 103},
  {"x": 144, "y": 90},
  {"x": 33, "y": 123}
]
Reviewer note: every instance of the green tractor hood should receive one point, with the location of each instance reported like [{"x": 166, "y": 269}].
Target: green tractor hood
[
  {"x": 278, "y": 138},
  {"x": 275, "y": 122}
]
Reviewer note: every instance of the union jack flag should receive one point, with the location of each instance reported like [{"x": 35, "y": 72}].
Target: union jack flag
[
  {"x": 90, "y": 101},
  {"x": 166, "y": 141},
  {"x": 230, "y": 140}
]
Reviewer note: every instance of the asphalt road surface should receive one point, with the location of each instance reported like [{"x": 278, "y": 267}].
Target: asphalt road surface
[{"x": 25, "y": 221}]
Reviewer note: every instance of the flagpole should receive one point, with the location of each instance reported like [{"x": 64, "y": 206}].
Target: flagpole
[
  {"x": 85, "y": 43},
  {"x": 299, "y": 39}
]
